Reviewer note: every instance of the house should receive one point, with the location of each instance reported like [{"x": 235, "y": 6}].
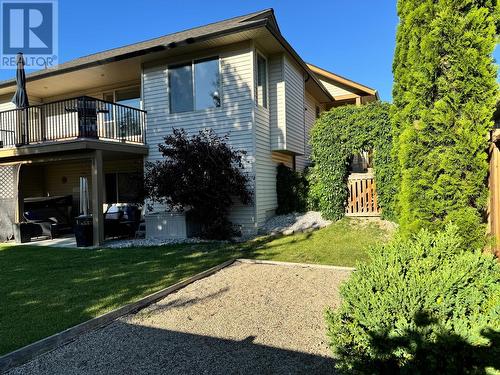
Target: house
[{"x": 103, "y": 115}]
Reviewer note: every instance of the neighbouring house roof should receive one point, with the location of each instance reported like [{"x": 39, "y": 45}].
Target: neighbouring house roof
[{"x": 355, "y": 86}]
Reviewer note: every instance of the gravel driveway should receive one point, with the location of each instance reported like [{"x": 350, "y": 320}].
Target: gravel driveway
[{"x": 247, "y": 318}]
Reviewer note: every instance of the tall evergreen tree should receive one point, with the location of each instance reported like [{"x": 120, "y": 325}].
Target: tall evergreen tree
[{"x": 444, "y": 93}]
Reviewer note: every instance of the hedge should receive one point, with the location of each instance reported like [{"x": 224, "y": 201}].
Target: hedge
[
  {"x": 444, "y": 93},
  {"x": 335, "y": 138}
]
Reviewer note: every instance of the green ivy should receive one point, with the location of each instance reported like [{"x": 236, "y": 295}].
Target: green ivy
[
  {"x": 444, "y": 93},
  {"x": 337, "y": 135}
]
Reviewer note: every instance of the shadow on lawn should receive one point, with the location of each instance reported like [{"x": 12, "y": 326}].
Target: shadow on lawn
[{"x": 128, "y": 348}]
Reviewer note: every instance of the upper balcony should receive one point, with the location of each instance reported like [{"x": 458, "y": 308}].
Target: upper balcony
[{"x": 70, "y": 121}]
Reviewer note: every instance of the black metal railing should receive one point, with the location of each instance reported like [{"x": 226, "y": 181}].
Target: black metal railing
[{"x": 82, "y": 117}]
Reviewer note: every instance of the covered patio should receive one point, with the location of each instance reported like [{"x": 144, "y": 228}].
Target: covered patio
[{"x": 112, "y": 171}]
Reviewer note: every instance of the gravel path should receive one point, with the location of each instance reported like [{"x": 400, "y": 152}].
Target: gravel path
[{"x": 245, "y": 319}]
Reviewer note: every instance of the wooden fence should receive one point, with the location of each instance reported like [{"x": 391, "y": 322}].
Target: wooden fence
[{"x": 362, "y": 198}]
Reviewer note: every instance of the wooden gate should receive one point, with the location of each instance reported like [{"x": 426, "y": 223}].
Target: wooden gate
[{"x": 362, "y": 198}]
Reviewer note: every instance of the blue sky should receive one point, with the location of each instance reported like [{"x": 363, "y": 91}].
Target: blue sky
[{"x": 351, "y": 38}]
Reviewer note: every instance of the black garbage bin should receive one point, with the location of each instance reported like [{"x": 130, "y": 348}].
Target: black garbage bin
[{"x": 84, "y": 231}]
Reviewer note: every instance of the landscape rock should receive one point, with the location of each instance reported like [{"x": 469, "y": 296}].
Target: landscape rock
[{"x": 294, "y": 223}]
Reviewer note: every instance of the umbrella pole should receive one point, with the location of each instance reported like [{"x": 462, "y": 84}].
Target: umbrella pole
[{"x": 26, "y": 127}]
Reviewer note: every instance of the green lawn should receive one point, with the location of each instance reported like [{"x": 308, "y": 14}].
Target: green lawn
[
  {"x": 44, "y": 290},
  {"x": 342, "y": 244}
]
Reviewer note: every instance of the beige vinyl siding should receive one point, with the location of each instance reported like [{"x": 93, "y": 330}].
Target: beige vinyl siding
[
  {"x": 265, "y": 168},
  {"x": 294, "y": 97},
  {"x": 267, "y": 162},
  {"x": 286, "y": 94},
  {"x": 72, "y": 171},
  {"x": 334, "y": 88},
  {"x": 277, "y": 103},
  {"x": 281, "y": 157},
  {"x": 234, "y": 117},
  {"x": 6, "y": 103},
  {"x": 310, "y": 118}
]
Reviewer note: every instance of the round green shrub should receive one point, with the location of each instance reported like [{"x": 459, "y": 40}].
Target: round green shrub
[{"x": 419, "y": 306}]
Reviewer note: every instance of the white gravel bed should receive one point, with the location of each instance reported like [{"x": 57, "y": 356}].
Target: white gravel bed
[
  {"x": 294, "y": 222},
  {"x": 245, "y": 319},
  {"x": 280, "y": 224},
  {"x": 119, "y": 244}
]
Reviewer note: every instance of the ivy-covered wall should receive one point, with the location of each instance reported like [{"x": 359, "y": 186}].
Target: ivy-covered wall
[
  {"x": 336, "y": 136},
  {"x": 444, "y": 95}
]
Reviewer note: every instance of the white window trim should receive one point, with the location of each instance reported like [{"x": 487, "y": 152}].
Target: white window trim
[{"x": 192, "y": 62}]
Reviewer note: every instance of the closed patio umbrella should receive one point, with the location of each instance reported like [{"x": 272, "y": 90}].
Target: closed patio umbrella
[{"x": 20, "y": 98}]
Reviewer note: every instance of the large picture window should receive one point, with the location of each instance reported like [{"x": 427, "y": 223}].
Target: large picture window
[{"x": 194, "y": 86}]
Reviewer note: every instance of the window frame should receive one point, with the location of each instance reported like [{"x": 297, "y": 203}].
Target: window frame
[
  {"x": 257, "y": 103},
  {"x": 192, "y": 62},
  {"x": 114, "y": 90},
  {"x": 111, "y": 117},
  {"x": 117, "y": 191}
]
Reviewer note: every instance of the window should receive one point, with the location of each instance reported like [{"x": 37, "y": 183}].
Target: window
[
  {"x": 123, "y": 187},
  {"x": 194, "y": 86},
  {"x": 130, "y": 97},
  {"x": 127, "y": 121},
  {"x": 261, "y": 81},
  {"x": 206, "y": 84},
  {"x": 180, "y": 80}
]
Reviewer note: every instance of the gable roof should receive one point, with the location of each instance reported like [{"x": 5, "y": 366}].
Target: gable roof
[{"x": 343, "y": 81}]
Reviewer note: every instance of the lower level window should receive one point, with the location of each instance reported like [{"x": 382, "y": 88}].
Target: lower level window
[{"x": 123, "y": 187}]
